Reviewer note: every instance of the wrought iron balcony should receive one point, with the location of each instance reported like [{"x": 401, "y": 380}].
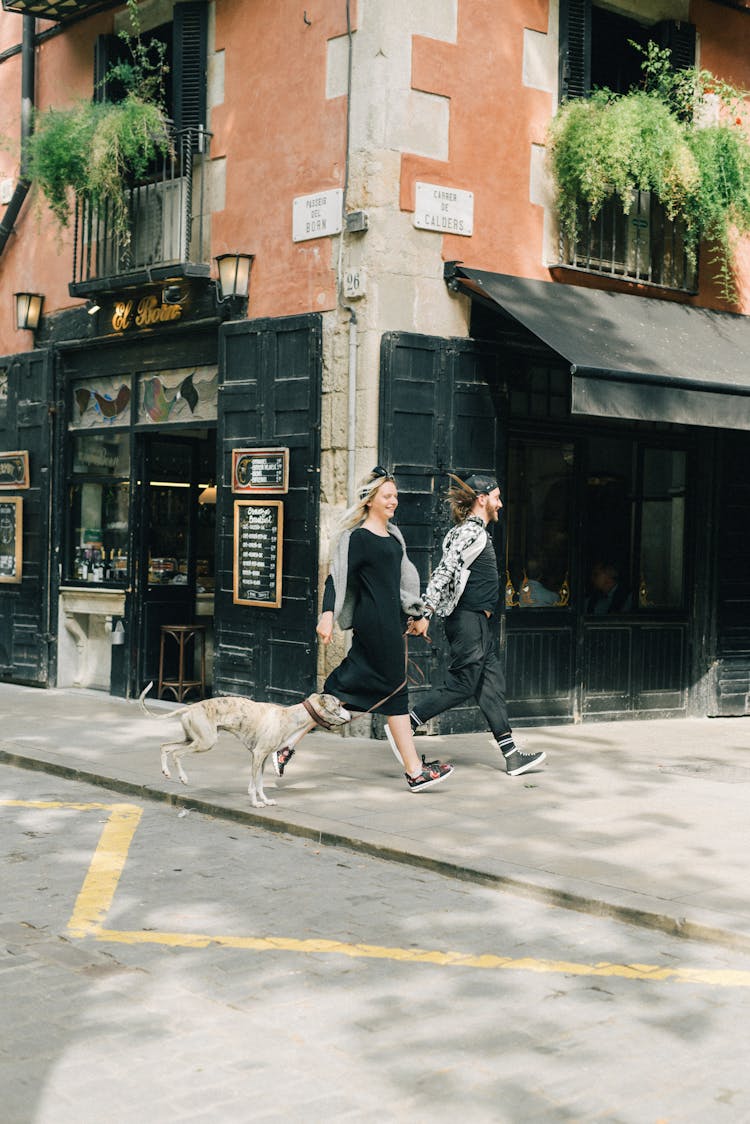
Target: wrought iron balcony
[
  {"x": 642, "y": 244},
  {"x": 166, "y": 232}
]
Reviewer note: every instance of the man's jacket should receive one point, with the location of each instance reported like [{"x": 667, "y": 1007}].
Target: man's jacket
[{"x": 461, "y": 546}]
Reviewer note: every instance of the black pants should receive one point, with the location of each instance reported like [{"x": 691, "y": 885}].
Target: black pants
[{"x": 475, "y": 671}]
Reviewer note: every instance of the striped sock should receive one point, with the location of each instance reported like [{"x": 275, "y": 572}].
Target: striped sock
[{"x": 506, "y": 743}]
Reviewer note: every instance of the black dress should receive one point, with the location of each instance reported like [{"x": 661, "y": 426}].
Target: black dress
[{"x": 374, "y": 665}]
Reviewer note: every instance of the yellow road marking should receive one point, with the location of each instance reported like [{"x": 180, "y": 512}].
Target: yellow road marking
[{"x": 102, "y": 878}]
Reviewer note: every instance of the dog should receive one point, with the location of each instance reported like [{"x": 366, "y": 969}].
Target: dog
[{"x": 261, "y": 727}]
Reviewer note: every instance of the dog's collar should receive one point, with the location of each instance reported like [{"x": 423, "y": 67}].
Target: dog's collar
[{"x": 315, "y": 716}]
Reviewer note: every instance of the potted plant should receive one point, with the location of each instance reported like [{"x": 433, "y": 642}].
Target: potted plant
[{"x": 658, "y": 139}]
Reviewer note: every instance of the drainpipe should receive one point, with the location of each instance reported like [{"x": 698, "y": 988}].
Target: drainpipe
[
  {"x": 352, "y": 410},
  {"x": 351, "y": 429},
  {"x": 27, "y": 108}
]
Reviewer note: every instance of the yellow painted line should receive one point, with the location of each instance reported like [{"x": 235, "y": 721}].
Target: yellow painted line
[
  {"x": 95, "y": 898},
  {"x": 102, "y": 878},
  {"x": 317, "y": 946}
]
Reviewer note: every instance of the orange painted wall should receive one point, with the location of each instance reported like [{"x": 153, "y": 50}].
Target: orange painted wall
[
  {"x": 279, "y": 133},
  {"x": 282, "y": 138},
  {"x": 494, "y": 119},
  {"x": 38, "y": 256}
]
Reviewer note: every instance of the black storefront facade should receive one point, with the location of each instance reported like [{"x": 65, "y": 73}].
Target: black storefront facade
[
  {"x": 128, "y": 426},
  {"x": 128, "y": 420},
  {"x": 619, "y": 427}
]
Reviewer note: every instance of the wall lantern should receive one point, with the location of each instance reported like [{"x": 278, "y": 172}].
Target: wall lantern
[
  {"x": 234, "y": 276},
  {"x": 28, "y": 310}
]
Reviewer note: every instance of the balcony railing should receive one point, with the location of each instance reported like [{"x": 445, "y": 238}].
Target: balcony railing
[
  {"x": 642, "y": 244},
  {"x": 166, "y": 228}
]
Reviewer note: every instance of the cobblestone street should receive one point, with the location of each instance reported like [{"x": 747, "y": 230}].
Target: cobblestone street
[{"x": 314, "y": 1002}]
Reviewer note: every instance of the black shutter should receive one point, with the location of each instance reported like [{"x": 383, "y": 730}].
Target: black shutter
[
  {"x": 679, "y": 37},
  {"x": 269, "y": 397},
  {"x": 190, "y": 62},
  {"x": 26, "y": 608},
  {"x": 575, "y": 48}
]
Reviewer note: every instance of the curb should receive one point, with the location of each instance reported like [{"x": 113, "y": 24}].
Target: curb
[{"x": 552, "y": 895}]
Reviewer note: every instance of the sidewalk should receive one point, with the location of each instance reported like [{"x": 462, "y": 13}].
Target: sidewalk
[{"x": 646, "y": 821}]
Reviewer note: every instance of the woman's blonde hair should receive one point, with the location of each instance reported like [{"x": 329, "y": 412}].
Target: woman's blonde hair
[{"x": 357, "y": 513}]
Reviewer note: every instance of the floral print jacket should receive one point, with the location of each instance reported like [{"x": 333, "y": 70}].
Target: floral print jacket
[{"x": 461, "y": 546}]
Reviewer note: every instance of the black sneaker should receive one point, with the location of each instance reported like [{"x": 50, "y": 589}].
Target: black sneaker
[
  {"x": 432, "y": 773},
  {"x": 518, "y": 762},
  {"x": 281, "y": 759}
]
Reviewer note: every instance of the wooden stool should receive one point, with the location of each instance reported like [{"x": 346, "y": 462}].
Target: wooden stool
[{"x": 180, "y": 686}]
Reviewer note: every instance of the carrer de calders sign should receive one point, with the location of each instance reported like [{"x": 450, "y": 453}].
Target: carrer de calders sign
[{"x": 446, "y": 210}]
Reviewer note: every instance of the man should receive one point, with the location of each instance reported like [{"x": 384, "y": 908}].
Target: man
[
  {"x": 465, "y": 591},
  {"x": 608, "y": 595}
]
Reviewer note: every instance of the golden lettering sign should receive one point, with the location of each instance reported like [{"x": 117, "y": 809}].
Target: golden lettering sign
[{"x": 145, "y": 314}]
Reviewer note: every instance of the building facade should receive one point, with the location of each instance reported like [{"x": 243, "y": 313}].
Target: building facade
[{"x": 175, "y": 455}]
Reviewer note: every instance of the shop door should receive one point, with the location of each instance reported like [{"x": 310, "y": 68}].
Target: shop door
[
  {"x": 166, "y": 546},
  {"x": 442, "y": 401}
]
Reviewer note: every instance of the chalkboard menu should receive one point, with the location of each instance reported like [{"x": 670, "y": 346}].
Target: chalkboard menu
[
  {"x": 258, "y": 537},
  {"x": 11, "y": 539},
  {"x": 260, "y": 470}
]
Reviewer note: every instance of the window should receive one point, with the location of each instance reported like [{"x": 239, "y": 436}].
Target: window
[
  {"x": 538, "y": 510},
  {"x": 99, "y": 504},
  {"x": 594, "y": 47},
  {"x": 635, "y": 527},
  {"x": 186, "y": 55}
]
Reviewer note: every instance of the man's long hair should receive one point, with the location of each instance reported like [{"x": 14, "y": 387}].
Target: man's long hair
[{"x": 461, "y": 499}]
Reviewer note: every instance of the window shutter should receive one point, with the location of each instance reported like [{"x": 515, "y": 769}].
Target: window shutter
[
  {"x": 679, "y": 38},
  {"x": 190, "y": 61},
  {"x": 575, "y": 48}
]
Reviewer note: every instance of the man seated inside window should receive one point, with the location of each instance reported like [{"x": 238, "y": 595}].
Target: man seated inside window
[{"x": 608, "y": 594}]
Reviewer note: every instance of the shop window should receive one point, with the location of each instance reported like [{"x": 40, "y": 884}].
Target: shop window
[
  {"x": 540, "y": 392},
  {"x": 538, "y": 513},
  {"x": 635, "y": 527},
  {"x": 100, "y": 402},
  {"x": 178, "y": 397},
  {"x": 662, "y": 532},
  {"x": 99, "y": 503}
]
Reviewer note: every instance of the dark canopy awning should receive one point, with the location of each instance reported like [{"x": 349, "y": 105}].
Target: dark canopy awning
[{"x": 631, "y": 357}]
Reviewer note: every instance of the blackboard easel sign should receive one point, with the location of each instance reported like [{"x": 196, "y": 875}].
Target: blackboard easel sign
[
  {"x": 260, "y": 470},
  {"x": 11, "y": 539},
  {"x": 258, "y": 538}
]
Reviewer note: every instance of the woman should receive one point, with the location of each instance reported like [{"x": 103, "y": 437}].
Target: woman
[{"x": 371, "y": 585}]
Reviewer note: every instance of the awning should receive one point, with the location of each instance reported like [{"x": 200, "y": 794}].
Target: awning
[
  {"x": 631, "y": 357},
  {"x": 61, "y": 11}
]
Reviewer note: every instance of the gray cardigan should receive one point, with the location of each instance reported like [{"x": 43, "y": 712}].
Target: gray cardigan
[{"x": 343, "y": 610}]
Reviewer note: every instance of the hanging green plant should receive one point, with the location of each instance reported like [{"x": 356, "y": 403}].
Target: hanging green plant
[
  {"x": 98, "y": 150},
  {"x": 655, "y": 139}
]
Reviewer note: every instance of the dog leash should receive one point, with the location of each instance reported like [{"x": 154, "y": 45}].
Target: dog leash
[{"x": 405, "y": 680}]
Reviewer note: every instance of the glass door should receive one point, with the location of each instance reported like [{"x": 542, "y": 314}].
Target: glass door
[{"x": 166, "y": 527}]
